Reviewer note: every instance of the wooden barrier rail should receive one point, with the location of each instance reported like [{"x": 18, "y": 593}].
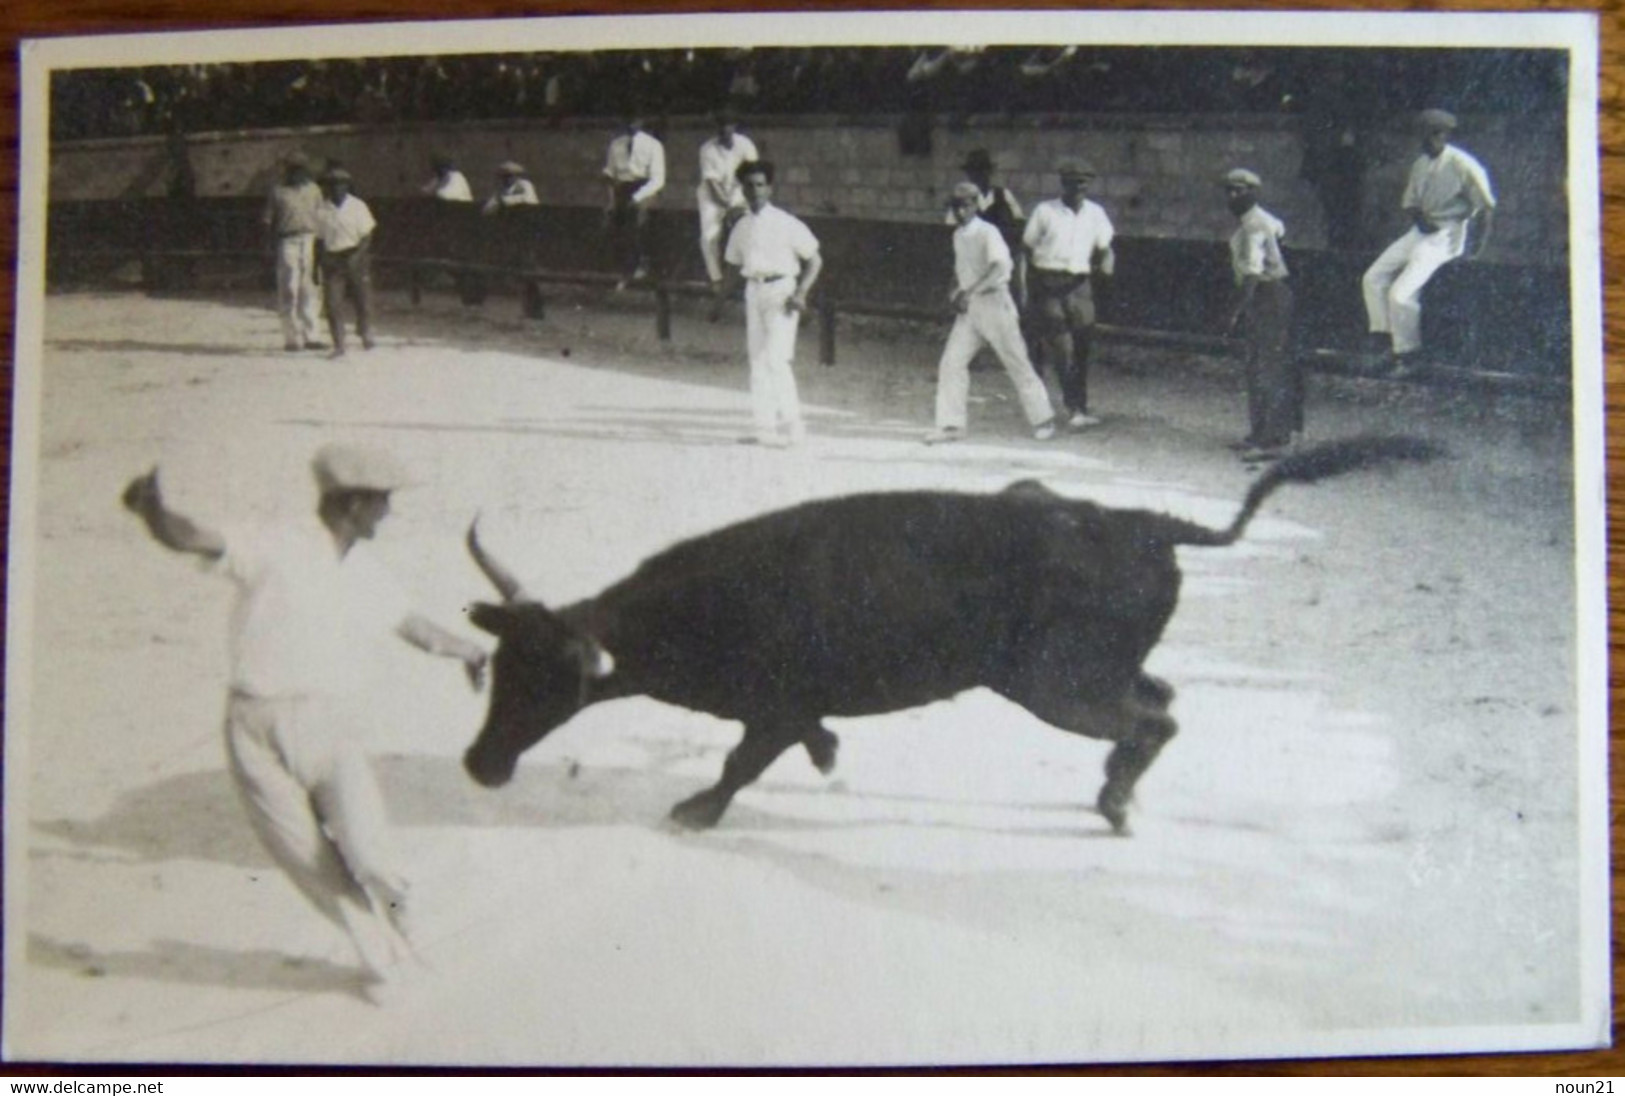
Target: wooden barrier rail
[{"x": 530, "y": 280}]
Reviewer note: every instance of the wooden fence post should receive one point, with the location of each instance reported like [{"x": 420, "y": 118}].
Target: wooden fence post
[
  {"x": 826, "y": 331},
  {"x": 663, "y": 312}
]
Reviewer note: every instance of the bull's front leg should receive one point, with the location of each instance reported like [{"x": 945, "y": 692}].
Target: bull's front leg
[{"x": 760, "y": 747}]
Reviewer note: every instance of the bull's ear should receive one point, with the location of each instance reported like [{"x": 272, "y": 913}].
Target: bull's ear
[{"x": 490, "y": 618}]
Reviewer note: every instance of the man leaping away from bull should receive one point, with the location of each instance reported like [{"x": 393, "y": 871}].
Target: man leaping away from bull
[{"x": 311, "y": 598}]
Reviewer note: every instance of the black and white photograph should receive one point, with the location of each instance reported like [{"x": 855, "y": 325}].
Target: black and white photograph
[{"x": 900, "y": 540}]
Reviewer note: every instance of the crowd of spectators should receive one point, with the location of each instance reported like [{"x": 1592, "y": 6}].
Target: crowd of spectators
[{"x": 848, "y": 80}]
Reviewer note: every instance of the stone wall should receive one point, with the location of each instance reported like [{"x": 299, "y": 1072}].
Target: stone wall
[{"x": 1158, "y": 173}]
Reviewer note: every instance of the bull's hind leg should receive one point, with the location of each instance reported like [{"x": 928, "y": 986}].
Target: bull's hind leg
[
  {"x": 1128, "y": 761},
  {"x": 760, "y": 747},
  {"x": 821, "y": 745},
  {"x": 1137, "y": 722}
]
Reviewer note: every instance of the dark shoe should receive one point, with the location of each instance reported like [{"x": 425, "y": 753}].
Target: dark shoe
[
  {"x": 369, "y": 343},
  {"x": 945, "y": 436},
  {"x": 315, "y": 344}
]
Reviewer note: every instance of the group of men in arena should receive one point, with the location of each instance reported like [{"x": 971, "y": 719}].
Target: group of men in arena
[
  {"x": 1024, "y": 285},
  {"x": 308, "y": 592}
]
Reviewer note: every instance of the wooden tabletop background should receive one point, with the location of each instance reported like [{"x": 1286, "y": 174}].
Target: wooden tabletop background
[{"x": 46, "y": 18}]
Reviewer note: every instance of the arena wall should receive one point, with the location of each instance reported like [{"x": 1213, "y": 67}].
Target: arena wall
[
  {"x": 873, "y": 190},
  {"x": 1158, "y": 172}
]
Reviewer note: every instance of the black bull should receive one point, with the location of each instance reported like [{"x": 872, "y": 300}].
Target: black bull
[{"x": 874, "y": 603}]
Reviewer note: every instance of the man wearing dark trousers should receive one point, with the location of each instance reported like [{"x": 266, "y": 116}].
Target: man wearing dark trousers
[
  {"x": 1262, "y": 314},
  {"x": 1067, "y": 242},
  {"x": 345, "y": 227}
]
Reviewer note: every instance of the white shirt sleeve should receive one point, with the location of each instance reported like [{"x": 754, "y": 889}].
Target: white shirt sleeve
[{"x": 657, "y": 173}]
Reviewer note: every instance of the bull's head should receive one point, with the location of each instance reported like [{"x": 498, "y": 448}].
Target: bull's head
[{"x": 540, "y": 673}]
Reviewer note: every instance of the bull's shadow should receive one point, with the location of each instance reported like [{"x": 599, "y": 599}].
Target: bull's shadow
[{"x": 198, "y": 816}]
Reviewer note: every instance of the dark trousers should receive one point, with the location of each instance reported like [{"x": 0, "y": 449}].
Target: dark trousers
[
  {"x": 348, "y": 272},
  {"x": 1062, "y": 321},
  {"x": 629, "y": 229},
  {"x": 1274, "y": 380}
]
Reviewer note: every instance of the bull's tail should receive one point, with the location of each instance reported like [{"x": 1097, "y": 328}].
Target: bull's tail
[{"x": 1310, "y": 466}]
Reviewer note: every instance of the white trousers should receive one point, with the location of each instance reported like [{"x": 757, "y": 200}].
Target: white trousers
[
  {"x": 990, "y": 320},
  {"x": 1393, "y": 284},
  {"x": 712, "y": 217},
  {"x": 312, "y": 799},
  {"x": 296, "y": 296},
  {"x": 770, "y": 338}
]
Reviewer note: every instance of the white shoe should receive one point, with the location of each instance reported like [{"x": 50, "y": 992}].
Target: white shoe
[
  {"x": 1044, "y": 431},
  {"x": 944, "y": 436},
  {"x": 1081, "y": 420}
]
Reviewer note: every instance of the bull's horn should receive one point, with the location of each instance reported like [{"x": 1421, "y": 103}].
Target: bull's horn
[{"x": 500, "y": 576}]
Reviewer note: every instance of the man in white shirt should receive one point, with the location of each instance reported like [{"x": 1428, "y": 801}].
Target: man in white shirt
[
  {"x": 1261, "y": 313},
  {"x": 448, "y": 184},
  {"x": 1446, "y": 193},
  {"x": 720, "y": 198},
  {"x": 513, "y": 189},
  {"x": 636, "y": 170},
  {"x": 1068, "y": 241},
  {"x": 290, "y": 215},
  {"x": 448, "y": 227},
  {"x": 345, "y": 226},
  {"x": 779, "y": 259},
  {"x": 312, "y": 604},
  {"x": 986, "y": 317}
]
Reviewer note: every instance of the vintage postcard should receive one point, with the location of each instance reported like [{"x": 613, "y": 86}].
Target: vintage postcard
[{"x": 899, "y": 540}]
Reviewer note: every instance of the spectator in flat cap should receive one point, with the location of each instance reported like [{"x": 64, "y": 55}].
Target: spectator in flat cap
[
  {"x": 290, "y": 217},
  {"x": 1447, "y": 194},
  {"x": 311, "y": 600},
  {"x": 1068, "y": 242},
  {"x": 345, "y": 227},
  {"x": 985, "y": 316},
  {"x": 513, "y": 188},
  {"x": 1261, "y": 313}
]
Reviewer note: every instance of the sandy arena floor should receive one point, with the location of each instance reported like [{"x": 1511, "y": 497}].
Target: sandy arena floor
[{"x": 1365, "y": 836}]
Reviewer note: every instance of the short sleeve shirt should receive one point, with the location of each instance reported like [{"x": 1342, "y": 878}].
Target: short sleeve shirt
[
  {"x": 293, "y": 210},
  {"x": 1449, "y": 187},
  {"x": 979, "y": 246},
  {"x": 1062, "y": 240},
  {"x": 306, "y": 622},
  {"x": 343, "y": 227},
  {"x": 718, "y": 165},
  {"x": 1255, "y": 246},
  {"x": 770, "y": 244}
]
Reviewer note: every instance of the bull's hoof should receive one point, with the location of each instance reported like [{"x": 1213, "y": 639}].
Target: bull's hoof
[
  {"x": 821, "y": 749},
  {"x": 1115, "y": 810},
  {"x": 700, "y": 812}
]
